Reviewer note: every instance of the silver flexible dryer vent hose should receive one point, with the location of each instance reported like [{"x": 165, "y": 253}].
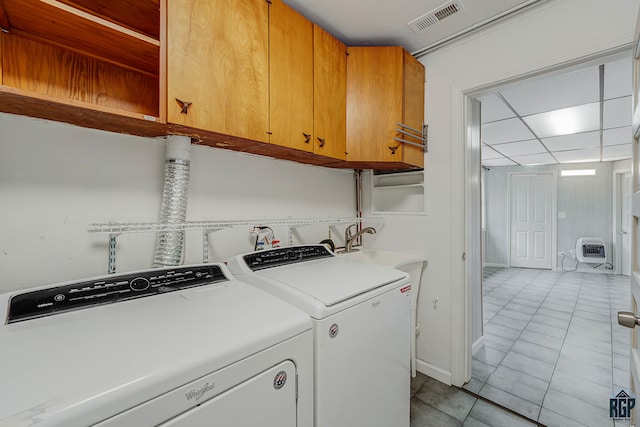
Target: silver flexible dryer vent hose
[{"x": 170, "y": 244}]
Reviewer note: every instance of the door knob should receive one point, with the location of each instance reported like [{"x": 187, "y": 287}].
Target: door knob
[
  {"x": 622, "y": 232},
  {"x": 628, "y": 319}
]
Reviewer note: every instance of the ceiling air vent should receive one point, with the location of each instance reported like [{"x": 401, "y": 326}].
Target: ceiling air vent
[{"x": 438, "y": 14}]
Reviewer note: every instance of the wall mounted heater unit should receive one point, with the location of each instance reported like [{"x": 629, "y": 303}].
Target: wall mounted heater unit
[{"x": 591, "y": 250}]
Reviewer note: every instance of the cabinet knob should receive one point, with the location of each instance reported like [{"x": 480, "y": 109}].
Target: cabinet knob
[
  {"x": 184, "y": 105},
  {"x": 307, "y": 137},
  {"x": 321, "y": 142}
]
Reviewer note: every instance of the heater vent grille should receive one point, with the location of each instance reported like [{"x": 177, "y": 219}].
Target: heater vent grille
[
  {"x": 591, "y": 250},
  {"x": 448, "y": 9}
]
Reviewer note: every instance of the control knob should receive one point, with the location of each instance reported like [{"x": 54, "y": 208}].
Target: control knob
[{"x": 139, "y": 284}]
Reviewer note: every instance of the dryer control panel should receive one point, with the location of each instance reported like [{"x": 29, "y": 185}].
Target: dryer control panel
[
  {"x": 109, "y": 289},
  {"x": 283, "y": 256}
]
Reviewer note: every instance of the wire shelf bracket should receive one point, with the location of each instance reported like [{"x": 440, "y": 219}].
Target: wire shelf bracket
[{"x": 114, "y": 229}]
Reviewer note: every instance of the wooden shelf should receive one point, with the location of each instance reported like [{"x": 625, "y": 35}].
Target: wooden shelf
[
  {"x": 15, "y": 101},
  {"x": 40, "y": 70},
  {"x": 57, "y": 23},
  {"x": 142, "y": 16}
]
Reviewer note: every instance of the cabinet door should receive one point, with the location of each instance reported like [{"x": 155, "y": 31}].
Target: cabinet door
[
  {"x": 218, "y": 61},
  {"x": 374, "y": 102},
  {"x": 291, "y": 77},
  {"x": 329, "y": 95},
  {"x": 413, "y": 111}
]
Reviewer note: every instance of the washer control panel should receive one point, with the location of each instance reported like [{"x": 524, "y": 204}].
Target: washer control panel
[
  {"x": 110, "y": 289},
  {"x": 283, "y": 256}
]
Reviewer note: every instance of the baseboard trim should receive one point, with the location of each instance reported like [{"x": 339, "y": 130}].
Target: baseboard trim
[
  {"x": 433, "y": 372},
  {"x": 494, "y": 264},
  {"x": 477, "y": 345},
  {"x": 590, "y": 270}
]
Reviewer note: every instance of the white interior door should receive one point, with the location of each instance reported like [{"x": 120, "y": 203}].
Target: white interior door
[
  {"x": 624, "y": 231},
  {"x": 531, "y": 220}
]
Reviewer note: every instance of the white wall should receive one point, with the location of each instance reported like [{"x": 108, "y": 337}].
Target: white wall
[
  {"x": 56, "y": 179},
  {"x": 555, "y": 32},
  {"x": 585, "y": 200}
]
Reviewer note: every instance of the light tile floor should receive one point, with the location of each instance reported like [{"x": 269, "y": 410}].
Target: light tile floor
[
  {"x": 553, "y": 349},
  {"x": 434, "y": 404}
]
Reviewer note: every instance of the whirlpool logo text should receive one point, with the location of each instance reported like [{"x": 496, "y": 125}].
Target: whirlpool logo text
[{"x": 198, "y": 393}]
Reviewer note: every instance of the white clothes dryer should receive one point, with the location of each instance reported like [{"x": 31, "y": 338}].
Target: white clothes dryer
[
  {"x": 184, "y": 346},
  {"x": 361, "y": 317}
]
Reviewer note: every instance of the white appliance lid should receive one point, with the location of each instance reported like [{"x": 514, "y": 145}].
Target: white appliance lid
[
  {"x": 83, "y": 366},
  {"x": 333, "y": 280}
]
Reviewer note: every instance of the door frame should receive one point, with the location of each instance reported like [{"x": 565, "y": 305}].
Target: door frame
[
  {"x": 616, "y": 243},
  {"x": 554, "y": 212},
  {"x": 462, "y": 326}
]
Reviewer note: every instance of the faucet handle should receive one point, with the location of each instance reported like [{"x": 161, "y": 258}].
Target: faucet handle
[{"x": 347, "y": 231}]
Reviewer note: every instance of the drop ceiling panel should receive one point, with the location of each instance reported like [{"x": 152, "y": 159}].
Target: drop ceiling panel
[
  {"x": 583, "y": 118},
  {"x": 617, "y": 136},
  {"x": 574, "y": 141},
  {"x": 617, "y": 113},
  {"x": 489, "y": 153},
  {"x": 520, "y": 148},
  {"x": 617, "y": 150},
  {"x": 578, "y": 156},
  {"x": 553, "y": 93},
  {"x": 509, "y": 130},
  {"x": 535, "y": 159},
  {"x": 617, "y": 79},
  {"x": 498, "y": 162},
  {"x": 571, "y": 133},
  {"x": 494, "y": 109}
]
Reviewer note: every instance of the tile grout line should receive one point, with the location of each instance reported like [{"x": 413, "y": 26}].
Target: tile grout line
[
  {"x": 534, "y": 314},
  {"x": 532, "y": 279},
  {"x": 504, "y": 408},
  {"x": 562, "y": 346}
]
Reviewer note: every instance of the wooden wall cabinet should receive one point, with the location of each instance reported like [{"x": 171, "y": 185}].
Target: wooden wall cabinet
[
  {"x": 100, "y": 55},
  {"x": 385, "y": 86},
  {"x": 307, "y": 85},
  {"x": 291, "y": 77},
  {"x": 218, "y": 66},
  {"x": 258, "y": 71},
  {"x": 329, "y": 95},
  {"x": 250, "y": 75}
]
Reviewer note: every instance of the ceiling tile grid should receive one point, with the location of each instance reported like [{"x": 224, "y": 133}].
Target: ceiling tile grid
[
  {"x": 581, "y": 116},
  {"x": 509, "y": 130}
]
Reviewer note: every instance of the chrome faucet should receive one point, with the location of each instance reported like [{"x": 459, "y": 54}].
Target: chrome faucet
[{"x": 350, "y": 238}]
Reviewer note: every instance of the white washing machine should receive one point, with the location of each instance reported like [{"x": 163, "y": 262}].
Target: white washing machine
[
  {"x": 361, "y": 322},
  {"x": 187, "y": 346}
]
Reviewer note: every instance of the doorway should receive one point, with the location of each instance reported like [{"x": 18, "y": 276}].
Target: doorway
[{"x": 535, "y": 317}]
